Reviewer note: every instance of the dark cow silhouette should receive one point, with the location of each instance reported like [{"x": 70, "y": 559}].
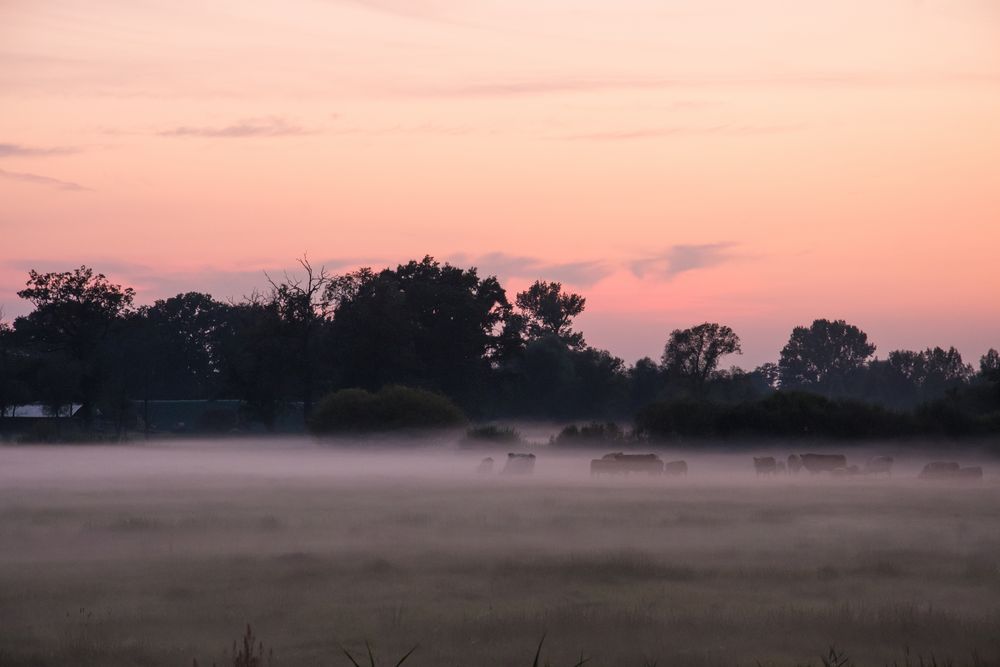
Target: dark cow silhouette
[
  {"x": 677, "y": 468},
  {"x": 794, "y": 464},
  {"x": 621, "y": 463},
  {"x": 940, "y": 470},
  {"x": 951, "y": 470},
  {"x": 970, "y": 473},
  {"x": 519, "y": 464},
  {"x": 879, "y": 465},
  {"x": 816, "y": 463},
  {"x": 765, "y": 465},
  {"x": 485, "y": 466}
]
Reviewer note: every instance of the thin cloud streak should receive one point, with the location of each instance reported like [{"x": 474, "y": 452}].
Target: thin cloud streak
[
  {"x": 506, "y": 266},
  {"x": 20, "y": 150},
  {"x": 526, "y": 87},
  {"x": 683, "y": 258},
  {"x": 272, "y": 126},
  {"x": 37, "y": 179},
  {"x": 679, "y": 131}
]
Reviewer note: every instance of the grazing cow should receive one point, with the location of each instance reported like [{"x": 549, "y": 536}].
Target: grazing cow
[
  {"x": 879, "y": 465},
  {"x": 940, "y": 470},
  {"x": 619, "y": 462},
  {"x": 485, "y": 466},
  {"x": 816, "y": 463},
  {"x": 764, "y": 465},
  {"x": 794, "y": 464},
  {"x": 677, "y": 468},
  {"x": 971, "y": 473},
  {"x": 519, "y": 464}
]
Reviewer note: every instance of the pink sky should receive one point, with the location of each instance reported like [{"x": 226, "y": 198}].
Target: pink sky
[{"x": 758, "y": 163}]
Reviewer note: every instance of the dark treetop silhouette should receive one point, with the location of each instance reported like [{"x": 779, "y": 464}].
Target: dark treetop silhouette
[{"x": 449, "y": 331}]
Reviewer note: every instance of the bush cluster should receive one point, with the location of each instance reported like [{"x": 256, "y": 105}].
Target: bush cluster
[{"x": 392, "y": 408}]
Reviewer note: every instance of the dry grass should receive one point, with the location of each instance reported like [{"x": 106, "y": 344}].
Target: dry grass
[{"x": 623, "y": 573}]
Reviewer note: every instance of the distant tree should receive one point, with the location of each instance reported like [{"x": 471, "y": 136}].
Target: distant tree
[
  {"x": 75, "y": 313},
  {"x": 693, "y": 354},
  {"x": 13, "y": 391},
  {"x": 769, "y": 374},
  {"x": 944, "y": 370},
  {"x": 823, "y": 356},
  {"x": 253, "y": 356},
  {"x": 304, "y": 307},
  {"x": 181, "y": 358},
  {"x": 601, "y": 383},
  {"x": 989, "y": 365},
  {"x": 931, "y": 372},
  {"x": 422, "y": 324},
  {"x": 645, "y": 379},
  {"x": 548, "y": 311}
]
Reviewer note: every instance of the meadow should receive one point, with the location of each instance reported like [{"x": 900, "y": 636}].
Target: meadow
[{"x": 161, "y": 554}]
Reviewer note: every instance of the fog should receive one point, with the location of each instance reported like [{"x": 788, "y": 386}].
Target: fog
[
  {"x": 161, "y": 552},
  {"x": 428, "y": 460}
]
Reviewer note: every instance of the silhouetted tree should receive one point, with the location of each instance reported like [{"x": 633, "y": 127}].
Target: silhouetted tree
[
  {"x": 823, "y": 356},
  {"x": 422, "y": 324},
  {"x": 645, "y": 379},
  {"x": 989, "y": 365},
  {"x": 548, "y": 311},
  {"x": 929, "y": 373},
  {"x": 770, "y": 374},
  {"x": 13, "y": 368},
  {"x": 693, "y": 354},
  {"x": 181, "y": 357},
  {"x": 304, "y": 306},
  {"x": 254, "y": 360},
  {"x": 75, "y": 312}
]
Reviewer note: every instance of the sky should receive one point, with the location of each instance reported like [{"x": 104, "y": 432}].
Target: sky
[{"x": 760, "y": 163}]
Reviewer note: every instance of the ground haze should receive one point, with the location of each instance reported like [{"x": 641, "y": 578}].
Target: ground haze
[{"x": 160, "y": 554}]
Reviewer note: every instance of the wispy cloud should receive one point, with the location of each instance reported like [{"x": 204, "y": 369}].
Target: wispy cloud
[
  {"x": 418, "y": 9},
  {"x": 683, "y": 258},
  {"x": 20, "y": 150},
  {"x": 271, "y": 126},
  {"x": 680, "y": 131},
  {"x": 569, "y": 84},
  {"x": 43, "y": 180},
  {"x": 506, "y": 266}
]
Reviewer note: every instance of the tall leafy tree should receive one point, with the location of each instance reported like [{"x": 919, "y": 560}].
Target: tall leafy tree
[
  {"x": 693, "y": 354},
  {"x": 181, "y": 359},
  {"x": 549, "y": 311},
  {"x": 824, "y": 355},
  {"x": 422, "y": 323},
  {"x": 253, "y": 357},
  {"x": 75, "y": 314},
  {"x": 989, "y": 365}
]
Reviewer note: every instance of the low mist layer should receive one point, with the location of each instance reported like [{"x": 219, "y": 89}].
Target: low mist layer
[{"x": 160, "y": 554}]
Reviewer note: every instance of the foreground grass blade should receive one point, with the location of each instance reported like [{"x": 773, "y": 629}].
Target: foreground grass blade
[
  {"x": 408, "y": 654},
  {"x": 538, "y": 653},
  {"x": 350, "y": 657}
]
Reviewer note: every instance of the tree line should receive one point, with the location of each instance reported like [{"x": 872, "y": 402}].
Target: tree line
[{"x": 428, "y": 325}]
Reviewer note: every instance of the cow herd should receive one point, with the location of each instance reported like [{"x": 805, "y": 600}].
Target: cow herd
[
  {"x": 517, "y": 464},
  {"x": 620, "y": 463},
  {"x": 877, "y": 466}
]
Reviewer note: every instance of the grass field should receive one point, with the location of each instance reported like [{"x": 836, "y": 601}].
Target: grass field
[{"x": 159, "y": 555}]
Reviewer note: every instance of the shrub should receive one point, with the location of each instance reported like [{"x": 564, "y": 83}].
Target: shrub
[
  {"x": 492, "y": 434},
  {"x": 392, "y": 408},
  {"x": 594, "y": 433},
  {"x": 791, "y": 414}
]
